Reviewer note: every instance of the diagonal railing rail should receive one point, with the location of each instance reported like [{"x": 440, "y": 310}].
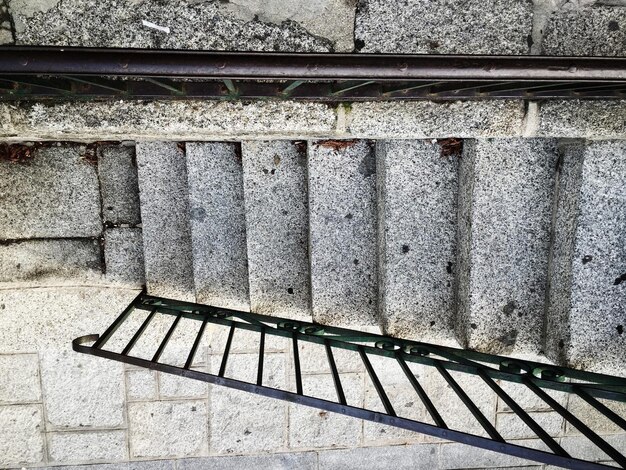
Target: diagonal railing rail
[
  {"x": 541, "y": 381},
  {"x": 62, "y": 73}
]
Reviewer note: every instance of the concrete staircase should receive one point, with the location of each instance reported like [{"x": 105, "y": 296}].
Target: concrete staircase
[{"x": 517, "y": 246}]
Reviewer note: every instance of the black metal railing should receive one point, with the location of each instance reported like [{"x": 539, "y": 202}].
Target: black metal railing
[
  {"x": 540, "y": 380},
  {"x": 37, "y": 73}
]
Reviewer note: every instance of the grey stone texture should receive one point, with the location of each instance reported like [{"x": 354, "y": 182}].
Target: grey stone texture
[
  {"x": 21, "y": 440},
  {"x": 443, "y": 27},
  {"x": 276, "y": 461},
  {"x": 417, "y": 211},
  {"x": 134, "y": 465},
  {"x": 161, "y": 120},
  {"x": 163, "y": 194},
  {"x": 123, "y": 256},
  {"x": 72, "y": 400},
  {"x": 510, "y": 426},
  {"x": 585, "y": 119},
  {"x": 68, "y": 447},
  {"x": 21, "y": 383},
  {"x": 62, "y": 314},
  {"x": 117, "y": 171},
  {"x": 218, "y": 224},
  {"x": 277, "y": 228},
  {"x": 48, "y": 261},
  {"x": 141, "y": 384},
  {"x": 53, "y": 194},
  {"x": 172, "y": 386},
  {"x": 592, "y": 31},
  {"x": 428, "y": 119},
  {"x": 342, "y": 214},
  {"x": 168, "y": 428},
  {"x": 193, "y": 25},
  {"x": 505, "y": 211},
  {"x": 593, "y": 418},
  {"x": 456, "y": 456},
  {"x": 416, "y": 457},
  {"x": 587, "y": 301}
]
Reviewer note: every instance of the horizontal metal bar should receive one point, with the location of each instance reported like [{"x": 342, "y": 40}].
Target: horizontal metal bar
[
  {"x": 79, "y": 345},
  {"x": 232, "y": 65}
]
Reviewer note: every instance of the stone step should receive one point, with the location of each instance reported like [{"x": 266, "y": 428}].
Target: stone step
[
  {"x": 418, "y": 192},
  {"x": 218, "y": 224},
  {"x": 505, "y": 211},
  {"x": 277, "y": 228},
  {"x": 343, "y": 232},
  {"x": 163, "y": 196},
  {"x": 587, "y": 301}
]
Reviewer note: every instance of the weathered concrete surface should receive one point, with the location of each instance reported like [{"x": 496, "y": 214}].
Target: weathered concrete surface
[
  {"x": 427, "y": 119},
  {"x": 417, "y": 210},
  {"x": 123, "y": 255},
  {"x": 72, "y": 401},
  {"x": 161, "y": 120},
  {"x": 277, "y": 228},
  {"x": 505, "y": 212},
  {"x": 165, "y": 214},
  {"x": 54, "y": 194},
  {"x": 21, "y": 382},
  {"x": 596, "y": 31},
  {"x": 342, "y": 211},
  {"x": 331, "y": 19},
  {"x": 40, "y": 262},
  {"x": 585, "y": 119},
  {"x": 444, "y": 27},
  {"x": 218, "y": 225},
  {"x": 80, "y": 447},
  {"x": 586, "y": 316},
  {"x": 117, "y": 171},
  {"x": 168, "y": 428},
  {"x": 21, "y": 441},
  {"x": 192, "y": 25}
]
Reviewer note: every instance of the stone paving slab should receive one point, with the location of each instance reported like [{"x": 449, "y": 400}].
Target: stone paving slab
[
  {"x": 444, "y": 27},
  {"x": 218, "y": 224},
  {"x": 21, "y": 383},
  {"x": 275, "y": 461},
  {"x": 585, "y": 119},
  {"x": 81, "y": 391},
  {"x": 417, "y": 239},
  {"x": 124, "y": 256},
  {"x": 80, "y": 447},
  {"x": 165, "y": 213},
  {"x": 54, "y": 194},
  {"x": 277, "y": 228},
  {"x": 593, "y": 31},
  {"x": 117, "y": 170},
  {"x": 119, "y": 24},
  {"x": 506, "y": 188},
  {"x": 168, "y": 428},
  {"x": 428, "y": 119},
  {"x": 342, "y": 212},
  {"x": 416, "y": 457},
  {"x": 21, "y": 438},
  {"x": 40, "y": 262}
]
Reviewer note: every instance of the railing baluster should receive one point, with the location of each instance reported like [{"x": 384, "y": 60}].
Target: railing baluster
[
  {"x": 519, "y": 411},
  {"x": 601, "y": 407},
  {"x": 607, "y": 448},
  {"x": 196, "y": 343},
  {"x": 139, "y": 332},
  {"x": 430, "y": 407},
  {"x": 471, "y": 406},
  {"x": 259, "y": 375},
  {"x": 227, "y": 350},
  {"x": 333, "y": 368},
  {"x": 116, "y": 324},
  {"x": 166, "y": 339},
  {"x": 296, "y": 360},
  {"x": 377, "y": 385}
]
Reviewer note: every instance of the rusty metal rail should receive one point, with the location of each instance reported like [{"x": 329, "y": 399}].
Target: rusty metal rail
[{"x": 84, "y": 73}]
